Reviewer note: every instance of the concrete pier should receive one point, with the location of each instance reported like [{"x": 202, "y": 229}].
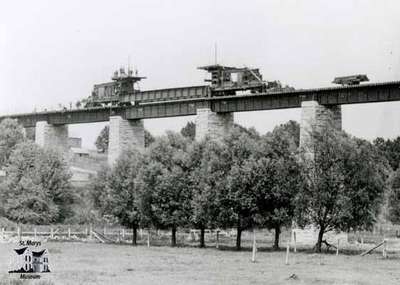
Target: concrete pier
[
  {"x": 315, "y": 116},
  {"x": 123, "y": 135},
  {"x": 214, "y": 125},
  {"x": 52, "y": 136}
]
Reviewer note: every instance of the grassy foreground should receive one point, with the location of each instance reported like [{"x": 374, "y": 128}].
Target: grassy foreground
[{"x": 91, "y": 263}]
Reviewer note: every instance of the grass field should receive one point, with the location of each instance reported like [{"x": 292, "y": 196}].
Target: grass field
[{"x": 92, "y": 263}]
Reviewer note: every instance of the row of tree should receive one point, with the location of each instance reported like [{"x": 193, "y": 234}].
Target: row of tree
[
  {"x": 243, "y": 181},
  {"x": 246, "y": 180}
]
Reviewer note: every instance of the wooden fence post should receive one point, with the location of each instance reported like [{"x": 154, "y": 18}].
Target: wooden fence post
[
  {"x": 69, "y": 233},
  {"x": 384, "y": 249},
  {"x": 104, "y": 231},
  {"x": 294, "y": 239},
  {"x": 337, "y": 247},
  {"x": 287, "y": 253},
  {"x": 2, "y": 233},
  {"x": 148, "y": 238},
  {"x": 217, "y": 240},
  {"x": 253, "y": 257},
  {"x": 19, "y": 233},
  {"x": 123, "y": 234},
  {"x": 51, "y": 233}
]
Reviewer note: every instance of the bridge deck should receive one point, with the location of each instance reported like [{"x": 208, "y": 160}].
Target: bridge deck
[{"x": 366, "y": 93}]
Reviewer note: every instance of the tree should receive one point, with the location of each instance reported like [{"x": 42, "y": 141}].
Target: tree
[
  {"x": 189, "y": 131},
  {"x": 394, "y": 198},
  {"x": 236, "y": 199},
  {"x": 37, "y": 188},
  {"x": 11, "y": 133},
  {"x": 251, "y": 132},
  {"x": 148, "y": 138},
  {"x": 207, "y": 176},
  {"x": 98, "y": 187},
  {"x": 366, "y": 175},
  {"x": 164, "y": 181},
  {"x": 277, "y": 176},
  {"x": 117, "y": 192},
  {"x": 241, "y": 198},
  {"x": 102, "y": 140},
  {"x": 289, "y": 131},
  {"x": 345, "y": 181},
  {"x": 389, "y": 149}
]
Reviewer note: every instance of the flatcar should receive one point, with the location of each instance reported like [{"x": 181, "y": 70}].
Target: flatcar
[{"x": 350, "y": 80}]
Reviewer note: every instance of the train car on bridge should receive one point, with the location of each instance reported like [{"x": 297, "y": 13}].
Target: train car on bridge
[
  {"x": 110, "y": 93},
  {"x": 229, "y": 81},
  {"x": 226, "y": 80}
]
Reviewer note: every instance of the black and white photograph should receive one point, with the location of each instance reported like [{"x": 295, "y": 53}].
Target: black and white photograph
[{"x": 200, "y": 142}]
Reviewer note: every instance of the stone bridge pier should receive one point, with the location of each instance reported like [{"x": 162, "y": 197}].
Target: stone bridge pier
[
  {"x": 52, "y": 136},
  {"x": 316, "y": 116},
  {"x": 212, "y": 124},
  {"x": 123, "y": 135}
]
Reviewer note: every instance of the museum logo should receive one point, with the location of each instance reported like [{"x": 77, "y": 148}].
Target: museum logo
[{"x": 27, "y": 258}]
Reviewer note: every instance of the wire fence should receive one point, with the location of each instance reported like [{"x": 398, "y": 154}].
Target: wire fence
[{"x": 302, "y": 238}]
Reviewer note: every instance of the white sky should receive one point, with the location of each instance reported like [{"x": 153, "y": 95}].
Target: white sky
[{"x": 54, "y": 51}]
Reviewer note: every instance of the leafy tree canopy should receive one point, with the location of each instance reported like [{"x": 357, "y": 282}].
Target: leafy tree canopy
[
  {"x": 277, "y": 178},
  {"x": 37, "y": 188},
  {"x": 189, "y": 131},
  {"x": 165, "y": 183},
  {"x": 11, "y": 133},
  {"x": 394, "y": 198},
  {"x": 236, "y": 199},
  {"x": 345, "y": 181},
  {"x": 102, "y": 139},
  {"x": 116, "y": 191},
  {"x": 390, "y": 149}
]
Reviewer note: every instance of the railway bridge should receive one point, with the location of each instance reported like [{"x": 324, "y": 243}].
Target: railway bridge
[{"x": 214, "y": 115}]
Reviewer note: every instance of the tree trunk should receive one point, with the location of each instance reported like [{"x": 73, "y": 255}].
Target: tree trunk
[
  {"x": 173, "y": 237},
  {"x": 202, "y": 233},
  {"x": 319, "y": 242},
  {"x": 277, "y": 234},
  {"x": 134, "y": 235},
  {"x": 238, "y": 238}
]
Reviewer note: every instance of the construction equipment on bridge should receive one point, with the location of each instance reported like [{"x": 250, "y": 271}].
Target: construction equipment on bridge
[
  {"x": 350, "y": 80},
  {"x": 225, "y": 81},
  {"x": 110, "y": 92}
]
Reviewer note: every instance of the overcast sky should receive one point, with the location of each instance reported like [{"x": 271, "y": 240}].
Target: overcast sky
[{"x": 53, "y": 52}]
